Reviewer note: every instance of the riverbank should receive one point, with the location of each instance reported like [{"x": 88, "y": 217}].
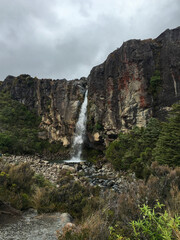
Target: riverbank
[{"x": 32, "y": 225}]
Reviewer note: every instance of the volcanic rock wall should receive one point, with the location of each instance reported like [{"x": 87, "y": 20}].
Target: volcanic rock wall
[
  {"x": 56, "y": 101},
  {"x": 137, "y": 81}
]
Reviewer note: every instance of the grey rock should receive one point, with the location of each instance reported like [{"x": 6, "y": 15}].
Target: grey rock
[
  {"x": 65, "y": 218},
  {"x": 69, "y": 168}
]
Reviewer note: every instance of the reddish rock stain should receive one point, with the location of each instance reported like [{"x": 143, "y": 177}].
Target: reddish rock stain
[{"x": 142, "y": 102}]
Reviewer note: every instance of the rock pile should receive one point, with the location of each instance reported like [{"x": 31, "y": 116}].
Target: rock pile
[{"x": 89, "y": 174}]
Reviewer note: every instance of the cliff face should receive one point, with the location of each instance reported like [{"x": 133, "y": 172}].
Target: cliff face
[
  {"x": 137, "y": 81},
  {"x": 56, "y": 101}
]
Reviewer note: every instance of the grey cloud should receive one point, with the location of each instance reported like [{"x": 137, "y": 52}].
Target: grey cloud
[{"x": 65, "y": 39}]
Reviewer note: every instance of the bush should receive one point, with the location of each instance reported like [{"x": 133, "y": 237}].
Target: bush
[
  {"x": 95, "y": 227},
  {"x": 43, "y": 200},
  {"x": 155, "y": 83},
  {"x": 155, "y": 224},
  {"x": 75, "y": 198},
  {"x": 22, "y": 176},
  {"x": 16, "y": 185}
]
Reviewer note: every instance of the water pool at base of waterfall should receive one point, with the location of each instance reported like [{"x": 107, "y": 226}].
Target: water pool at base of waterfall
[
  {"x": 74, "y": 160},
  {"x": 69, "y": 161}
]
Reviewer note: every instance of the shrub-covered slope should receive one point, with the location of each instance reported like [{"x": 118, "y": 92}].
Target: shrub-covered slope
[{"x": 159, "y": 141}]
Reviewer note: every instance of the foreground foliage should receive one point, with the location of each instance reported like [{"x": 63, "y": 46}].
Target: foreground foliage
[
  {"x": 155, "y": 224},
  {"x": 119, "y": 216}
]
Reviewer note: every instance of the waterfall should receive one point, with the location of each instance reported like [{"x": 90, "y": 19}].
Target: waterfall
[{"x": 79, "y": 132}]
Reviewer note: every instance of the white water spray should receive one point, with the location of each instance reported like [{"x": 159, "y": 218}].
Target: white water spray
[{"x": 79, "y": 132}]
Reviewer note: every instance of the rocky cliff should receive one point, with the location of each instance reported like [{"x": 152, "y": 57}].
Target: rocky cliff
[
  {"x": 56, "y": 101},
  {"x": 138, "y": 81}
]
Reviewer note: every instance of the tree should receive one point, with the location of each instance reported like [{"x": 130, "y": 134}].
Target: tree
[
  {"x": 167, "y": 150},
  {"x": 133, "y": 150}
]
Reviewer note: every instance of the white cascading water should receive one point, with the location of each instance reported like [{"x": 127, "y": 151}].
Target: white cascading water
[{"x": 79, "y": 132}]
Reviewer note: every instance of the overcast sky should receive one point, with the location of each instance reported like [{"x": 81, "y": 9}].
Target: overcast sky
[{"x": 66, "y": 38}]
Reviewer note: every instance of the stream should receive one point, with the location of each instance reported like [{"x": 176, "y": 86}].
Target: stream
[{"x": 31, "y": 226}]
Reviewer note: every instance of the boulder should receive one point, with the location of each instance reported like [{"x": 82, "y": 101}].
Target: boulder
[
  {"x": 69, "y": 168},
  {"x": 65, "y": 219}
]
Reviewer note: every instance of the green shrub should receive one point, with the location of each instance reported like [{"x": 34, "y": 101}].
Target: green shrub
[
  {"x": 16, "y": 185},
  {"x": 98, "y": 127},
  {"x": 115, "y": 234},
  {"x": 40, "y": 180},
  {"x": 74, "y": 198},
  {"x": 155, "y": 224},
  {"x": 155, "y": 83},
  {"x": 22, "y": 176}
]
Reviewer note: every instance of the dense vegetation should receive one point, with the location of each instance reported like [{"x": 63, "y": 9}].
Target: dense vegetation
[
  {"x": 19, "y": 129},
  {"x": 137, "y": 149}
]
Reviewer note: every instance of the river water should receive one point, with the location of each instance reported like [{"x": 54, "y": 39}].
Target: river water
[{"x": 31, "y": 226}]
